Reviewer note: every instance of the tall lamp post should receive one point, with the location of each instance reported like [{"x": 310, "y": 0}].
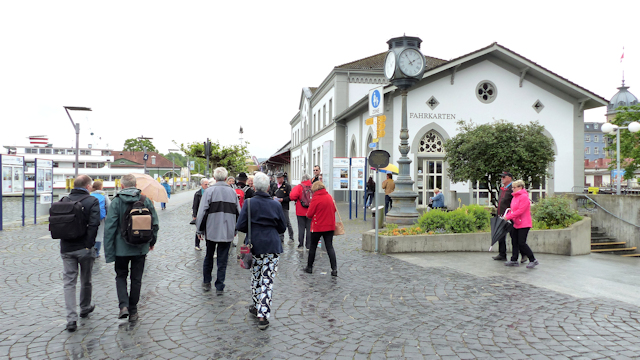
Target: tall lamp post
[
  {"x": 404, "y": 66},
  {"x": 615, "y": 129},
  {"x": 77, "y": 128},
  {"x": 145, "y": 157},
  {"x": 173, "y": 166}
]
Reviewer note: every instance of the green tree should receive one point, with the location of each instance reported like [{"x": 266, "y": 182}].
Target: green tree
[
  {"x": 178, "y": 159},
  {"x": 134, "y": 144},
  {"x": 483, "y": 152},
  {"x": 629, "y": 142},
  {"x": 232, "y": 157}
]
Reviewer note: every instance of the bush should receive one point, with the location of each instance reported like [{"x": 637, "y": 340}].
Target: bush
[
  {"x": 434, "y": 220},
  {"x": 554, "y": 212},
  {"x": 460, "y": 221},
  {"x": 482, "y": 216}
]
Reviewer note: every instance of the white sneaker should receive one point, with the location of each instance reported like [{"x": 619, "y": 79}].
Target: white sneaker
[{"x": 198, "y": 248}]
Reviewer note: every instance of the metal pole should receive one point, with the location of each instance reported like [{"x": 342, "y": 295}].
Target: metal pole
[
  {"x": 618, "y": 159},
  {"x": 376, "y": 214},
  {"x": 1, "y": 218},
  {"x": 77, "y": 146},
  {"x": 173, "y": 175},
  {"x": 35, "y": 188},
  {"x": 145, "y": 160},
  {"x": 366, "y": 173},
  {"x": 23, "y": 188}
]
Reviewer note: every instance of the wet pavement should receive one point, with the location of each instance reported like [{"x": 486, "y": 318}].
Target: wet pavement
[{"x": 379, "y": 307}]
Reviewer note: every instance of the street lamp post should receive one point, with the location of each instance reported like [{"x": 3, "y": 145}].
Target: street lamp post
[
  {"x": 615, "y": 129},
  {"x": 77, "y": 128},
  {"x": 173, "y": 166},
  {"x": 145, "y": 157}
]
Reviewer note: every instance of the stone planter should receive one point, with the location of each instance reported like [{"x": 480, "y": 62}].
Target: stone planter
[{"x": 574, "y": 240}]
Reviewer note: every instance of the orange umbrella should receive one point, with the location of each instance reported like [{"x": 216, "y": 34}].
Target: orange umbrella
[{"x": 151, "y": 188}]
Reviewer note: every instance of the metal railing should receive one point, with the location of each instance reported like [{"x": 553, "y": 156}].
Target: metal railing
[{"x": 586, "y": 206}]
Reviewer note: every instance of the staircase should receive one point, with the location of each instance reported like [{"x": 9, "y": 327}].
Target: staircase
[{"x": 601, "y": 243}]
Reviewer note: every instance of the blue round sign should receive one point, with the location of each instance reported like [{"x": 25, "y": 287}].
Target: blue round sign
[
  {"x": 375, "y": 98},
  {"x": 145, "y": 157}
]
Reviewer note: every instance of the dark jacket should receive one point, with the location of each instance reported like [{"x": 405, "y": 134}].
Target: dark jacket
[
  {"x": 322, "y": 212},
  {"x": 267, "y": 223},
  {"x": 248, "y": 191},
  {"x": 91, "y": 215},
  {"x": 504, "y": 201},
  {"x": 283, "y": 192},
  {"x": 196, "y": 202},
  {"x": 114, "y": 244},
  {"x": 218, "y": 212}
]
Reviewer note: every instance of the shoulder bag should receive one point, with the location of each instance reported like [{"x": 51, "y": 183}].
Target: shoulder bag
[{"x": 339, "y": 225}]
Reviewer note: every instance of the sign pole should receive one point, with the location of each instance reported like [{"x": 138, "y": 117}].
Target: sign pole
[
  {"x": 364, "y": 202},
  {"x": 1, "y": 218},
  {"x": 35, "y": 188},
  {"x": 349, "y": 188},
  {"x": 24, "y": 165}
]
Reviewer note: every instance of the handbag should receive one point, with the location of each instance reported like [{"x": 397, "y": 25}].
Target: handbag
[
  {"x": 339, "y": 225},
  {"x": 245, "y": 258}
]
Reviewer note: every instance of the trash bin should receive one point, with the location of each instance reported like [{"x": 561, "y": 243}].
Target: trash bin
[{"x": 379, "y": 217}]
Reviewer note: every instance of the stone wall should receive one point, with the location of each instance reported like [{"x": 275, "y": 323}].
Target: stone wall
[{"x": 575, "y": 240}]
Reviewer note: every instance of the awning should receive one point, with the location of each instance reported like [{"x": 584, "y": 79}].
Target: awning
[{"x": 281, "y": 157}]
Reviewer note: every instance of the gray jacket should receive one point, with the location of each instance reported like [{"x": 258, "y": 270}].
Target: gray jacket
[{"x": 220, "y": 205}]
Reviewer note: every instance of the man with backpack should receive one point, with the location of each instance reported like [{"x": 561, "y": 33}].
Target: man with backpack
[
  {"x": 242, "y": 185},
  {"x": 301, "y": 194},
  {"x": 75, "y": 220},
  {"x": 131, "y": 230}
]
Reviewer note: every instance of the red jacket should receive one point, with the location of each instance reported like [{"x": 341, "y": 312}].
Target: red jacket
[
  {"x": 322, "y": 212},
  {"x": 295, "y": 196},
  {"x": 520, "y": 210}
]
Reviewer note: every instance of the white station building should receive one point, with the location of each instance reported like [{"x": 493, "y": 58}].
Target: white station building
[{"x": 489, "y": 84}]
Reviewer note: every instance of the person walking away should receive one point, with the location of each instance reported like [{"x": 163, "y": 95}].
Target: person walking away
[
  {"x": 267, "y": 222},
  {"x": 520, "y": 214},
  {"x": 217, "y": 217},
  {"x": 129, "y": 259},
  {"x": 437, "y": 200},
  {"x": 316, "y": 173},
  {"x": 371, "y": 191},
  {"x": 281, "y": 192},
  {"x": 301, "y": 194},
  {"x": 388, "y": 186},
  {"x": 322, "y": 212},
  {"x": 197, "y": 197},
  {"x": 103, "y": 200},
  {"x": 167, "y": 188},
  {"x": 504, "y": 202},
  {"x": 80, "y": 251}
]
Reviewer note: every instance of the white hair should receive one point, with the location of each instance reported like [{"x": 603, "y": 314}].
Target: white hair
[
  {"x": 305, "y": 177},
  {"x": 261, "y": 182},
  {"x": 212, "y": 181},
  {"x": 220, "y": 174},
  {"x": 203, "y": 180}
]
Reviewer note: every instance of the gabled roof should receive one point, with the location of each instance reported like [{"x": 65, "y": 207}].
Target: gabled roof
[
  {"x": 136, "y": 157},
  {"x": 376, "y": 62}
]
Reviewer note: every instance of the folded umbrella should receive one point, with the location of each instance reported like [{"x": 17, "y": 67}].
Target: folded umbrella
[
  {"x": 499, "y": 228},
  {"x": 151, "y": 188}
]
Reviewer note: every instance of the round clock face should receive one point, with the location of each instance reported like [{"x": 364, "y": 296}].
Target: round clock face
[
  {"x": 390, "y": 64},
  {"x": 411, "y": 62}
]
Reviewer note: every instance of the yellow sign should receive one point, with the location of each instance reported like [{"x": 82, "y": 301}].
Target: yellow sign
[
  {"x": 381, "y": 133},
  {"x": 374, "y": 140},
  {"x": 379, "y": 119},
  {"x": 382, "y": 118},
  {"x": 381, "y": 126},
  {"x": 369, "y": 121}
]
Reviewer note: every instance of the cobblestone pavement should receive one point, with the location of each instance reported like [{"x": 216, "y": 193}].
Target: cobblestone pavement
[{"x": 378, "y": 307}]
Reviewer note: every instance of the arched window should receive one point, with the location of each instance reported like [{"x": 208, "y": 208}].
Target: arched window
[{"x": 431, "y": 143}]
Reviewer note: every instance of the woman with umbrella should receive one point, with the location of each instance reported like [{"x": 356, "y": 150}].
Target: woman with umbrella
[{"x": 521, "y": 216}]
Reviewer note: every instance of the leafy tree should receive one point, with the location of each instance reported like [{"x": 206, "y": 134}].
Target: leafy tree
[
  {"x": 232, "y": 157},
  {"x": 629, "y": 142},
  {"x": 134, "y": 144},
  {"x": 178, "y": 159},
  {"x": 483, "y": 152}
]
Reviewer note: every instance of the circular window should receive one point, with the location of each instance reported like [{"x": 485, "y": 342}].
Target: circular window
[{"x": 486, "y": 91}]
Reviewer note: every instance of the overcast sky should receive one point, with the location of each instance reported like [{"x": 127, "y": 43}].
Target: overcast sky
[{"x": 189, "y": 70}]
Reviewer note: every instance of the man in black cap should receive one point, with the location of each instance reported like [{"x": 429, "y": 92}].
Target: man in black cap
[
  {"x": 280, "y": 191},
  {"x": 241, "y": 180},
  {"x": 504, "y": 202}
]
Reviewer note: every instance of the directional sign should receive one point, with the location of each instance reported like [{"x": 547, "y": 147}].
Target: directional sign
[
  {"x": 369, "y": 121},
  {"x": 373, "y": 120},
  {"x": 381, "y": 134},
  {"x": 375, "y": 140},
  {"x": 382, "y": 118},
  {"x": 373, "y": 145},
  {"x": 381, "y": 126},
  {"x": 376, "y": 103},
  {"x": 145, "y": 157}
]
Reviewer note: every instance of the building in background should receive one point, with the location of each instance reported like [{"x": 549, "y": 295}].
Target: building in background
[{"x": 594, "y": 141}]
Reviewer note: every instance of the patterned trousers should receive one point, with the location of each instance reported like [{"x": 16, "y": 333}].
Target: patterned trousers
[{"x": 263, "y": 272}]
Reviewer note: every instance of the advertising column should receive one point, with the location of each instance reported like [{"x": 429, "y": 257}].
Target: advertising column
[{"x": 12, "y": 180}]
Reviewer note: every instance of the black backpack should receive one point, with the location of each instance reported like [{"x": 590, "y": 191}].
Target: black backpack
[
  {"x": 137, "y": 223},
  {"x": 67, "y": 220}
]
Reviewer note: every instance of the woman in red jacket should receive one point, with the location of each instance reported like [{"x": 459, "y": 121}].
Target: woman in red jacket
[
  {"x": 322, "y": 212},
  {"x": 521, "y": 216}
]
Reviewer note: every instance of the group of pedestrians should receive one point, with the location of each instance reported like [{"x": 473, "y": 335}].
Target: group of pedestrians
[{"x": 99, "y": 215}]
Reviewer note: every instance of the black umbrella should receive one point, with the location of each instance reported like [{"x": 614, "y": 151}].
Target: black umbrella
[{"x": 499, "y": 228}]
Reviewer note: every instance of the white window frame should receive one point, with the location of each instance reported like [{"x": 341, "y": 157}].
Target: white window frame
[{"x": 587, "y": 138}]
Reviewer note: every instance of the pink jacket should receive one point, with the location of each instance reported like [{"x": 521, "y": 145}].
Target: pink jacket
[{"x": 520, "y": 210}]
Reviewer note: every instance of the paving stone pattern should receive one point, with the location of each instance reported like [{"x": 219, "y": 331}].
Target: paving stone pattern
[{"x": 377, "y": 308}]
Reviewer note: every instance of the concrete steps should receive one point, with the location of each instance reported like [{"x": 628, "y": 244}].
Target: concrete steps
[{"x": 602, "y": 243}]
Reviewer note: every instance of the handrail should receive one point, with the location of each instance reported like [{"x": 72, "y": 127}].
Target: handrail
[{"x": 607, "y": 211}]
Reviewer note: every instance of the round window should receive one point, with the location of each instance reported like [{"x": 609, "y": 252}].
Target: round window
[{"x": 486, "y": 91}]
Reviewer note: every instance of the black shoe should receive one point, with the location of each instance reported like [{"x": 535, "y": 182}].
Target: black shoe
[
  {"x": 524, "y": 260},
  {"x": 263, "y": 324},
  {"x": 206, "y": 287},
  {"x": 291, "y": 240},
  {"x": 499, "y": 257},
  {"x": 308, "y": 270},
  {"x": 219, "y": 292},
  {"x": 72, "y": 326},
  {"x": 133, "y": 317},
  {"x": 253, "y": 311},
  {"x": 124, "y": 313},
  {"x": 84, "y": 314},
  {"x": 334, "y": 272}
]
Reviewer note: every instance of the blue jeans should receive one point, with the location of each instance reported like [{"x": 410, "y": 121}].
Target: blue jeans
[
  {"x": 388, "y": 204},
  {"x": 369, "y": 200},
  {"x": 222, "y": 250}
]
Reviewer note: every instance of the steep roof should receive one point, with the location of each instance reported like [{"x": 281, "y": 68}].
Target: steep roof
[
  {"x": 376, "y": 62},
  {"x": 136, "y": 157}
]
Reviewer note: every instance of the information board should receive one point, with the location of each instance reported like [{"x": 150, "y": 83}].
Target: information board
[
  {"x": 12, "y": 174},
  {"x": 357, "y": 173},
  {"x": 44, "y": 176},
  {"x": 340, "y": 173}
]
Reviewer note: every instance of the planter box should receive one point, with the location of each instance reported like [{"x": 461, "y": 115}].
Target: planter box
[{"x": 574, "y": 240}]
